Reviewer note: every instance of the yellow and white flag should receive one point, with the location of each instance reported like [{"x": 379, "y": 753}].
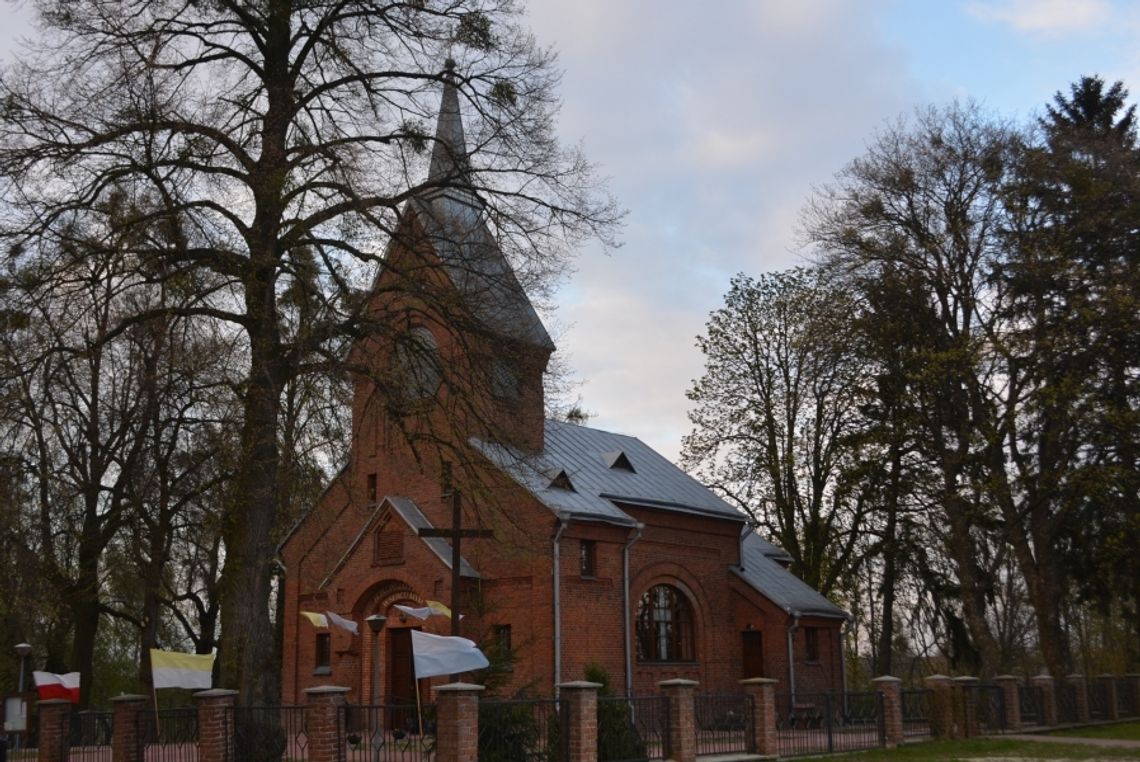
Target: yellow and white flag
[
  {"x": 317, "y": 620},
  {"x": 171, "y": 669}
]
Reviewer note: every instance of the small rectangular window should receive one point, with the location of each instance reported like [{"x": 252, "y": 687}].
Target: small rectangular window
[
  {"x": 588, "y": 558},
  {"x": 323, "y": 655},
  {"x": 503, "y": 640},
  {"x": 372, "y": 489},
  {"x": 811, "y": 644}
]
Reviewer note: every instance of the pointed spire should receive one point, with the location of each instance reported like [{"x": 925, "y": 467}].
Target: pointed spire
[{"x": 449, "y": 155}]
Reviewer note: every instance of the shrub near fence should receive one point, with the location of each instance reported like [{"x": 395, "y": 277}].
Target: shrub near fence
[
  {"x": 520, "y": 730},
  {"x": 267, "y": 733},
  {"x": 633, "y": 729}
]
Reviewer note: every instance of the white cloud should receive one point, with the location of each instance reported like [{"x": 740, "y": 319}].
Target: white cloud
[{"x": 1044, "y": 16}]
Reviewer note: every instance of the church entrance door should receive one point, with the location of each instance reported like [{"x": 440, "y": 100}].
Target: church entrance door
[{"x": 402, "y": 679}]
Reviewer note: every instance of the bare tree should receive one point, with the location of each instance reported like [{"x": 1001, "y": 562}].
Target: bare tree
[{"x": 281, "y": 139}]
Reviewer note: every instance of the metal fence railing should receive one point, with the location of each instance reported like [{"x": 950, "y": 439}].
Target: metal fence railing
[
  {"x": 169, "y": 735},
  {"x": 19, "y": 747},
  {"x": 388, "y": 733},
  {"x": 724, "y": 723},
  {"x": 916, "y": 713},
  {"x": 1126, "y": 697},
  {"x": 825, "y": 723},
  {"x": 633, "y": 729},
  {"x": 267, "y": 733},
  {"x": 989, "y": 703},
  {"x": 1066, "y": 696},
  {"x": 521, "y": 730},
  {"x": 87, "y": 736},
  {"x": 1098, "y": 700},
  {"x": 1029, "y": 698}
]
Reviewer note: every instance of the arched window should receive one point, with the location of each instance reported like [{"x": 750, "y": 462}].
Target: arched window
[{"x": 664, "y": 625}]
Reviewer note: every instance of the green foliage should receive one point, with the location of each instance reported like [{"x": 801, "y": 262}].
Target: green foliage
[{"x": 617, "y": 734}]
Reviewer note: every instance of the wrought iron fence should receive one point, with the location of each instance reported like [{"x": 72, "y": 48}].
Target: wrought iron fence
[
  {"x": 1098, "y": 700},
  {"x": 20, "y": 747},
  {"x": 989, "y": 703},
  {"x": 1029, "y": 699},
  {"x": 169, "y": 735},
  {"x": 633, "y": 729},
  {"x": 824, "y": 723},
  {"x": 724, "y": 723},
  {"x": 388, "y": 733},
  {"x": 1126, "y": 697},
  {"x": 267, "y": 734},
  {"x": 521, "y": 730},
  {"x": 916, "y": 713},
  {"x": 1066, "y": 697},
  {"x": 87, "y": 736}
]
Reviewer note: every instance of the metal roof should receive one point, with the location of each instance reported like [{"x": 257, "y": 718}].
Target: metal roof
[
  {"x": 415, "y": 518},
  {"x": 779, "y": 585},
  {"x": 584, "y": 456}
]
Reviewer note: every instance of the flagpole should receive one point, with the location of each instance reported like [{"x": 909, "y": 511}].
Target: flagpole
[{"x": 419, "y": 711}]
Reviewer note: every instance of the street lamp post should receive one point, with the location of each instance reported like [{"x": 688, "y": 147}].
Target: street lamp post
[
  {"x": 376, "y": 623},
  {"x": 23, "y": 649}
]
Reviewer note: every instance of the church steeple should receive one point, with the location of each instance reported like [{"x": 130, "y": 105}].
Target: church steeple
[{"x": 449, "y": 154}]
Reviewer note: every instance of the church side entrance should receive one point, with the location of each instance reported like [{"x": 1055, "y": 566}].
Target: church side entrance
[{"x": 753, "y": 651}]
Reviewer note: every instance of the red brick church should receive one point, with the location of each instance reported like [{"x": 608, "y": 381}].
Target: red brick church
[{"x": 593, "y": 547}]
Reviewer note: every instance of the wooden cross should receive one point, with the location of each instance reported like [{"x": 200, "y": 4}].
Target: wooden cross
[{"x": 455, "y": 533}]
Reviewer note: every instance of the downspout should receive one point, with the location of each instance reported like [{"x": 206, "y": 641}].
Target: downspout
[
  {"x": 638, "y": 529},
  {"x": 795, "y": 625},
  {"x": 563, "y": 520}
]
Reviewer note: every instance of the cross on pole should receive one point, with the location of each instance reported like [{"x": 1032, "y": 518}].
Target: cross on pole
[{"x": 455, "y": 533}]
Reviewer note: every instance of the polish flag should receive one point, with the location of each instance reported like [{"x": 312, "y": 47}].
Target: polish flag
[{"x": 52, "y": 686}]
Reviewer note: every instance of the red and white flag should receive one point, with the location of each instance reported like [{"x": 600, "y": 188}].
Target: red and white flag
[{"x": 52, "y": 686}]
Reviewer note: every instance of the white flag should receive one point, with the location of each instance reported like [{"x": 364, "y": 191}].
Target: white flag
[
  {"x": 442, "y": 655},
  {"x": 344, "y": 624}
]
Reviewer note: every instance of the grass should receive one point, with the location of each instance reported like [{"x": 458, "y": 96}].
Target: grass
[
  {"x": 1128, "y": 731},
  {"x": 991, "y": 748}
]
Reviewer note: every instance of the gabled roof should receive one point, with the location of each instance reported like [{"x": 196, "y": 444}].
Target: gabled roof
[
  {"x": 584, "y": 454},
  {"x": 779, "y": 585},
  {"x": 414, "y": 518}
]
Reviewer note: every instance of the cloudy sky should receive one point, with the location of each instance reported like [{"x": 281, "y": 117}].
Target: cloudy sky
[{"x": 714, "y": 119}]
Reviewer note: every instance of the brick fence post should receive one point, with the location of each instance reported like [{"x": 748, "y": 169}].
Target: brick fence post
[
  {"x": 890, "y": 688},
  {"x": 457, "y": 712},
  {"x": 126, "y": 712},
  {"x": 682, "y": 719},
  {"x": 215, "y": 727},
  {"x": 966, "y": 705},
  {"x": 581, "y": 713},
  {"x": 322, "y": 722},
  {"x": 1111, "y": 708},
  {"x": 1011, "y": 700},
  {"x": 1081, "y": 691},
  {"x": 941, "y": 718},
  {"x": 54, "y": 724},
  {"x": 1048, "y": 692},
  {"x": 763, "y": 693}
]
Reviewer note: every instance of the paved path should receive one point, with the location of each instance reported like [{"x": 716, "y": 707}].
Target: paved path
[{"x": 1107, "y": 743}]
